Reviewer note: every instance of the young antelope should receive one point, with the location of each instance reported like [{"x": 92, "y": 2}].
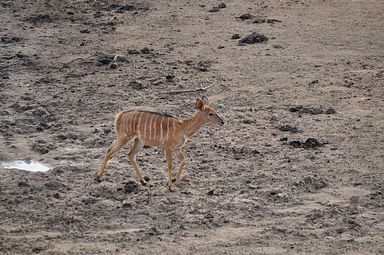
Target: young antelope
[{"x": 158, "y": 130}]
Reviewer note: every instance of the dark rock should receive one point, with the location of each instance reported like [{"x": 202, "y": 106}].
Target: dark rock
[
  {"x": 309, "y": 143},
  {"x": 133, "y": 51},
  {"x": 104, "y": 60},
  {"x": 145, "y": 50},
  {"x": 214, "y": 9},
  {"x": 310, "y": 110},
  {"x": 170, "y": 77},
  {"x": 211, "y": 192},
  {"x": 235, "y": 36},
  {"x": 245, "y": 16},
  {"x": 85, "y": 31},
  {"x": 222, "y": 6},
  {"x": 259, "y": 20},
  {"x": 330, "y": 111},
  {"x": 254, "y": 37},
  {"x": 273, "y": 21},
  {"x": 6, "y": 39}
]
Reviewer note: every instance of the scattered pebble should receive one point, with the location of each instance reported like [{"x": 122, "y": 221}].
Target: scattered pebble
[
  {"x": 245, "y": 16},
  {"x": 222, "y": 6},
  {"x": 309, "y": 143},
  {"x": 235, "y": 36},
  {"x": 214, "y": 9},
  {"x": 254, "y": 37},
  {"x": 6, "y": 39}
]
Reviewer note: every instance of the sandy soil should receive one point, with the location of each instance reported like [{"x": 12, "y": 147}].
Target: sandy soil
[{"x": 297, "y": 168}]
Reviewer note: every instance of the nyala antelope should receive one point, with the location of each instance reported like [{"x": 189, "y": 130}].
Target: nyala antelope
[{"x": 158, "y": 130}]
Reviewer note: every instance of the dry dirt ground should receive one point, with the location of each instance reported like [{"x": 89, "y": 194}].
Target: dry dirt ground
[{"x": 297, "y": 168}]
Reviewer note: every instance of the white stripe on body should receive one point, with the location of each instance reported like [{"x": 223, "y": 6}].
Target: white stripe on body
[
  {"x": 161, "y": 129},
  {"x": 150, "y": 128},
  {"x": 145, "y": 126},
  {"x": 138, "y": 125}
]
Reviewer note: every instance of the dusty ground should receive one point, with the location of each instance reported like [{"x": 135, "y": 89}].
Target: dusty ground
[{"x": 255, "y": 186}]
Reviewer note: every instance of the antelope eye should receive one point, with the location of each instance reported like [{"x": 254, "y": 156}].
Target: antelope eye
[{"x": 211, "y": 114}]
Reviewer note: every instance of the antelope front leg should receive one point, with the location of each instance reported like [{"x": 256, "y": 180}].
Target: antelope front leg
[
  {"x": 168, "y": 157},
  {"x": 181, "y": 157}
]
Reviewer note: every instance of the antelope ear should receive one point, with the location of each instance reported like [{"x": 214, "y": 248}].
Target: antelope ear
[
  {"x": 205, "y": 100},
  {"x": 199, "y": 104}
]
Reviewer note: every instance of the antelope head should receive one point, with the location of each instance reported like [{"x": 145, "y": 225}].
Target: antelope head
[{"x": 207, "y": 113}]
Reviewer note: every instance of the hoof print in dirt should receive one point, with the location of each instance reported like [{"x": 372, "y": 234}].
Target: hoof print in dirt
[
  {"x": 130, "y": 187},
  {"x": 137, "y": 85},
  {"x": 254, "y": 37},
  {"x": 312, "y": 183},
  {"x": 309, "y": 143}
]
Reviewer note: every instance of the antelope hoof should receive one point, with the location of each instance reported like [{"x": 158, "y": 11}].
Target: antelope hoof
[
  {"x": 174, "y": 180},
  {"x": 143, "y": 182},
  {"x": 98, "y": 178}
]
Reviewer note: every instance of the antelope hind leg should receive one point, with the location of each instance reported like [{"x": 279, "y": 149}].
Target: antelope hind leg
[{"x": 116, "y": 145}]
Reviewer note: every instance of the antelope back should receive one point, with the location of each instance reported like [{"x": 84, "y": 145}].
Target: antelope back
[{"x": 153, "y": 128}]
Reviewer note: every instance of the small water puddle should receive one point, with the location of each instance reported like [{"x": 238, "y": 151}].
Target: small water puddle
[{"x": 26, "y": 165}]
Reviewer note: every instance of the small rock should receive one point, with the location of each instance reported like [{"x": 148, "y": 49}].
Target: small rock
[
  {"x": 309, "y": 143},
  {"x": 211, "y": 192},
  {"x": 221, "y": 47},
  {"x": 235, "y": 36},
  {"x": 222, "y": 6},
  {"x": 6, "y": 39},
  {"x": 170, "y": 77},
  {"x": 245, "y": 16},
  {"x": 133, "y": 51},
  {"x": 145, "y": 50},
  {"x": 214, "y": 9},
  {"x": 254, "y": 37},
  {"x": 273, "y": 21},
  {"x": 259, "y": 20},
  {"x": 330, "y": 111}
]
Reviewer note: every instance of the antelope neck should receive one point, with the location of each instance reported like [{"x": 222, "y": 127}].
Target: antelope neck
[{"x": 191, "y": 125}]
